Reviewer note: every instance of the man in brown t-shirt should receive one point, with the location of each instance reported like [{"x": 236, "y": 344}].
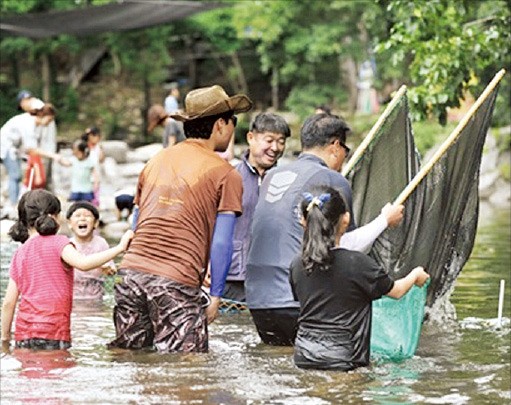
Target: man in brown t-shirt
[{"x": 188, "y": 199}]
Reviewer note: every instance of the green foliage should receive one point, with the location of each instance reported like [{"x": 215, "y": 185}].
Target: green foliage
[
  {"x": 429, "y": 133},
  {"x": 142, "y": 53},
  {"x": 68, "y": 105},
  {"x": 303, "y": 100},
  {"x": 445, "y": 48}
]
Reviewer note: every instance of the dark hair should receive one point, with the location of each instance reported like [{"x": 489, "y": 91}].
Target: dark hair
[
  {"x": 90, "y": 131},
  {"x": 324, "y": 108},
  {"x": 82, "y": 146},
  {"x": 82, "y": 204},
  {"x": 269, "y": 122},
  {"x": 321, "y": 208},
  {"x": 321, "y": 129},
  {"x": 48, "y": 109},
  {"x": 34, "y": 210},
  {"x": 202, "y": 127}
]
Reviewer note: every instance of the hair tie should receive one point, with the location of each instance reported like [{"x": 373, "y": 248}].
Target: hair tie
[{"x": 316, "y": 201}]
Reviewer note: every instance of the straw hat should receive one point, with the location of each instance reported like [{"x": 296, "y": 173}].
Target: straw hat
[
  {"x": 155, "y": 115},
  {"x": 213, "y": 100}
]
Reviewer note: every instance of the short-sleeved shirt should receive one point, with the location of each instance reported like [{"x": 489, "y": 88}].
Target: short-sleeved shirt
[
  {"x": 179, "y": 193},
  {"x": 276, "y": 230},
  {"x": 46, "y": 288},
  {"x": 17, "y": 132},
  {"x": 81, "y": 175},
  {"x": 95, "y": 245},
  {"x": 337, "y": 302}
]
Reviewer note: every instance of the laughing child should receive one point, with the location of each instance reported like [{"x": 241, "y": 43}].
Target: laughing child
[{"x": 83, "y": 219}]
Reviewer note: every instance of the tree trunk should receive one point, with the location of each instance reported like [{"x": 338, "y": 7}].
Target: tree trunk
[
  {"x": 46, "y": 76},
  {"x": 15, "y": 72},
  {"x": 242, "y": 81},
  {"x": 225, "y": 72},
  {"x": 275, "y": 88},
  {"x": 147, "y": 102},
  {"x": 348, "y": 76}
]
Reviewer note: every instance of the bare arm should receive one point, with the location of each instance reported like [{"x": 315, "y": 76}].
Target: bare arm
[
  {"x": 417, "y": 276},
  {"x": 101, "y": 157},
  {"x": 8, "y": 308},
  {"x": 88, "y": 262},
  {"x": 95, "y": 177},
  {"x": 44, "y": 153}
]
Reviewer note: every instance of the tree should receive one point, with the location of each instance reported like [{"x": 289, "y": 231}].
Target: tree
[{"x": 446, "y": 48}]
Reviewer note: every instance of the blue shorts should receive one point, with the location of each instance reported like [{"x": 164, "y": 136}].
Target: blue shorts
[{"x": 77, "y": 196}]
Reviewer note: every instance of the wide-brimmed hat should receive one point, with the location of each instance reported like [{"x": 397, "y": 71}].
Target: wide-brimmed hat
[
  {"x": 213, "y": 100},
  {"x": 155, "y": 115}
]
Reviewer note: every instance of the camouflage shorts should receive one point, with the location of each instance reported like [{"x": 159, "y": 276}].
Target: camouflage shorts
[{"x": 155, "y": 311}]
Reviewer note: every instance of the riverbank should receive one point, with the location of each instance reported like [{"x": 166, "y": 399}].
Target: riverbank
[{"x": 123, "y": 165}]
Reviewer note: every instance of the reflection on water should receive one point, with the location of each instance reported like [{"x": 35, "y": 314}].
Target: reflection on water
[{"x": 459, "y": 362}]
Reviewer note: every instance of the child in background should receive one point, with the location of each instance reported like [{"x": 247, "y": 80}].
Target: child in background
[
  {"x": 84, "y": 176},
  {"x": 124, "y": 202},
  {"x": 83, "y": 219},
  {"x": 92, "y": 136},
  {"x": 335, "y": 288},
  {"x": 35, "y": 176},
  {"x": 42, "y": 273}
]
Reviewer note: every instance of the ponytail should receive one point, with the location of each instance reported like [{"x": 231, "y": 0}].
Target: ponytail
[{"x": 321, "y": 211}]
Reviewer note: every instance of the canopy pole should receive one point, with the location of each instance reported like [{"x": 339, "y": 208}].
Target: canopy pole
[
  {"x": 449, "y": 141},
  {"x": 369, "y": 137}
]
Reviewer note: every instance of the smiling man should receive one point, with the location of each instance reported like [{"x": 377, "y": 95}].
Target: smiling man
[{"x": 266, "y": 143}]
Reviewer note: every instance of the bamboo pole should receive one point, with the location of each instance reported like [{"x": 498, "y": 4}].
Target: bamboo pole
[
  {"x": 369, "y": 137},
  {"x": 449, "y": 141}
]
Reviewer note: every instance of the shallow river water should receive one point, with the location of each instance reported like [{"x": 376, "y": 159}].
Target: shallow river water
[{"x": 466, "y": 360}]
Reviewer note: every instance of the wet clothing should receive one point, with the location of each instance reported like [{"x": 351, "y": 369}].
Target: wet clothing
[
  {"x": 46, "y": 289},
  {"x": 89, "y": 284},
  {"x": 179, "y": 193},
  {"x": 42, "y": 344},
  {"x": 334, "y": 326},
  {"x": 276, "y": 230},
  {"x": 156, "y": 311},
  {"x": 276, "y": 326}
]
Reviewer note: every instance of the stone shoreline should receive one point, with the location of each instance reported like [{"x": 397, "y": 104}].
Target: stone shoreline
[{"x": 122, "y": 167}]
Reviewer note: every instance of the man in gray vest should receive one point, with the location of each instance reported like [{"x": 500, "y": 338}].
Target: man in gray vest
[
  {"x": 266, "y": 143},
  {"x": 277, "y": 233}
]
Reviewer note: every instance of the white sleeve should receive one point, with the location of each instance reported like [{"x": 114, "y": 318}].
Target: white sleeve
[{"x": 362, "y": 239}]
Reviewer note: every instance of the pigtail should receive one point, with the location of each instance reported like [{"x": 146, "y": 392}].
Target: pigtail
[
  {"x": 46, "y": 225},
  {"x": 36, "y": 209}
]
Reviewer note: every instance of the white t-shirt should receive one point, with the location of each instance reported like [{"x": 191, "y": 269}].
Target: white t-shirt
[{"x": 17, "y": 132}]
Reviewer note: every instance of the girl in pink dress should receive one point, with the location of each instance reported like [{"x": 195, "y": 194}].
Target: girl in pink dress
[{"x": 42, "y": 274}]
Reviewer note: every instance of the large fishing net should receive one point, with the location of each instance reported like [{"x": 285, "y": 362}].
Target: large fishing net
[{"x": 440, "y": 222}]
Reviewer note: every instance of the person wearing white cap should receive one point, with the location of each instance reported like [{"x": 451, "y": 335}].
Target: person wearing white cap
[{"x": 18, "y": 136}]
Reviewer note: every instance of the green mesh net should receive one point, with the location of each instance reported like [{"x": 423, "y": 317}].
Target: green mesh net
[
  {"x": 397, "y": 325},
  {"x": 440, "y": 219}
]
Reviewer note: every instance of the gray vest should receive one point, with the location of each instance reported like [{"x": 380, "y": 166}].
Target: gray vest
[{"x": 276, "y": 230}]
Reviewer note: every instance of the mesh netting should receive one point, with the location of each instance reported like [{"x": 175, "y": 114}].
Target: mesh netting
[
  {"x": 440, "y": 221},
  {"x": 439, "y": 225}
]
